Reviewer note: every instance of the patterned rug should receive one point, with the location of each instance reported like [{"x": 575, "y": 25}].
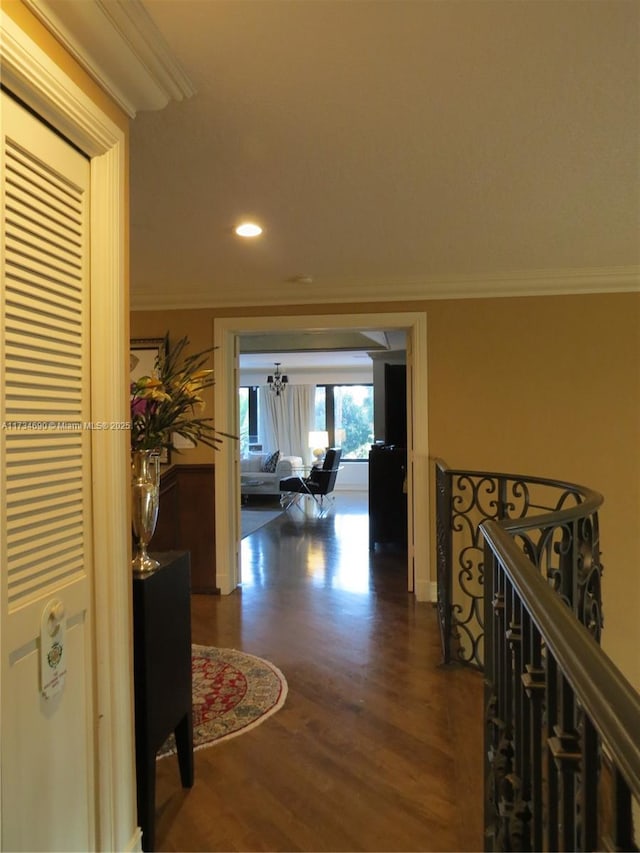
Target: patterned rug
[{"x": 232, "y": 693}]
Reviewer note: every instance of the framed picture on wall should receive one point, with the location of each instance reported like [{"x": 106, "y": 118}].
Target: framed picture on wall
[{"x": 143, "y": 353}]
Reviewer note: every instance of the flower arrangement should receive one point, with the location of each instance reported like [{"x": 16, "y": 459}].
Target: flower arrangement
[{"x": 168, "y": 401}]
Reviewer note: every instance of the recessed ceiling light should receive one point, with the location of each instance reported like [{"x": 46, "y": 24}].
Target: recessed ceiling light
[{"x": 248, "y": 229}]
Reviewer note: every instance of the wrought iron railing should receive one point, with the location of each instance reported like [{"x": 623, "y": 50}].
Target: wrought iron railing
[
  {"x": 519, "y": 596},
  {"x": 562, "y": 735},
  {"x": 556, "y": 526}
]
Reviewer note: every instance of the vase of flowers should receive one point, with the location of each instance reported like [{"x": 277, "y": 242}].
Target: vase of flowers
[
  {"x": 145, "y": 499},
  {"x": 168, "y": 402}
]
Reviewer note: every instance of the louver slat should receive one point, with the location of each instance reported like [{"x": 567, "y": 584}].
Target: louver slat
[
  {"x": 20, "y": 306},
  {"x": 41, "y": 251},
  {"x": 29, "y": 190},
  {"x": 44, "y": 405},
  {"x": 23, "y": 320}
]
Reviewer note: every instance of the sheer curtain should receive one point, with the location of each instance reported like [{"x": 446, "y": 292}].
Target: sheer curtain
[{"x": 285, "y": 421}]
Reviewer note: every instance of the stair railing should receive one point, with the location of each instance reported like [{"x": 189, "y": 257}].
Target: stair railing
[
  {"x": 519, "y": 596},
  {"x": 562, "y": 733},
  {"x": 554, "y": 523}
]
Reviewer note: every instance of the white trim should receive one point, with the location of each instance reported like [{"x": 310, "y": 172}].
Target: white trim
[
  {"x": 430, "y": 592},
  {"x": 226, "y": 329},
  {"x": 507, "y": 284},
  {"x": 35, "y": 78},
  {"x": 134, "y": 845},
  {"x": 120, "y": 46}
]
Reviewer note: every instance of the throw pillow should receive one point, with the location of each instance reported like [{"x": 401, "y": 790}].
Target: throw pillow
[{"x": 270, "y": 463}]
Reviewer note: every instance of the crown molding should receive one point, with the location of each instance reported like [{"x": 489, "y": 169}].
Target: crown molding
[
  {"x": 507, "y": 284},
  {"x": 119, "y": 45}
]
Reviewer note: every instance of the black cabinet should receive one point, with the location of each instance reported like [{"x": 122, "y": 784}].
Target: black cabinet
[
  {"x": 395, "y": 405},
  {"x": 387, "y": 496},
  {"x": 162, "y": 676}
]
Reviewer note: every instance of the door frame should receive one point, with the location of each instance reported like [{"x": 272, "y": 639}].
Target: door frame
[
  {"x": 45, "y": 87},
  {"x": 227, "y": 478}
]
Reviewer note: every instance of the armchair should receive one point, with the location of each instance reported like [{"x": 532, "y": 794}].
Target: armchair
[{"x": 318, "y": 484}]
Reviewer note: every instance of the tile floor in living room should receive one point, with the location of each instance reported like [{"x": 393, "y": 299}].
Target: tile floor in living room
[{"x": 377, "y": 747}]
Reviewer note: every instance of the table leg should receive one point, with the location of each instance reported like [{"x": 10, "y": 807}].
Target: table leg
[
  {"x": 184, "y": 746},
  {"x": 147, "y": 801}
]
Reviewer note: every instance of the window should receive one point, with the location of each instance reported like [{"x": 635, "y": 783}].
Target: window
[
  {"x": 248, "y": 420},
  {"x": 321, "y": 407},
  {"x": 346, "y": 412},
  {"x": 243, "y": 420}
]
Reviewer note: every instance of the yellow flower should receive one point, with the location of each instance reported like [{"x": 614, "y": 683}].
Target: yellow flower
[{"x": 167, "y": 401}]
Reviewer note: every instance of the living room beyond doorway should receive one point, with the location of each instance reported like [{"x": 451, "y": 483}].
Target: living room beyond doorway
[{"x": 229, "y": 336}]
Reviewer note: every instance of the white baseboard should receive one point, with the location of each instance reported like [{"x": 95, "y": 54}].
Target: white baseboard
[
  {"x": 135, "y": 842},
  {"x": 425, "y": 591}
]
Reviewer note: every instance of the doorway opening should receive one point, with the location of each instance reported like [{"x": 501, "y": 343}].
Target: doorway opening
[{"x": 227, "y": 332}]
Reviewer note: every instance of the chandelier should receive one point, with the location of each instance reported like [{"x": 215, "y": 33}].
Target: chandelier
[{"x": 278, "y": 381}]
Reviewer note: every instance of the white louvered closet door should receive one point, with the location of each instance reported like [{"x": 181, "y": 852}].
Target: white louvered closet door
[{"x": 47, "y": 744}]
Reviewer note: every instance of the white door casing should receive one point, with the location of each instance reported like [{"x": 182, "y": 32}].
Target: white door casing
[
  {"x": 409, "y": 476},
  {"x": 29, "y": 73},
  {"x": 226, "y": 331},
  {"x": 235, "y": 445}
]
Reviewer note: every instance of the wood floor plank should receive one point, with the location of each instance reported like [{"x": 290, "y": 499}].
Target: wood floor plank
[{"x": 377, "y": 748}]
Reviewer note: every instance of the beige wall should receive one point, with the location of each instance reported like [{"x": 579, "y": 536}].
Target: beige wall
[
  {"x": 547, "y": 386},
  {"x": 551, "y": 387},
  {"x": 197, "y": 325}
]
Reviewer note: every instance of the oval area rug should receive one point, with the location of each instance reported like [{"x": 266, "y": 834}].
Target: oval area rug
[{"x": 232, "y": 693}]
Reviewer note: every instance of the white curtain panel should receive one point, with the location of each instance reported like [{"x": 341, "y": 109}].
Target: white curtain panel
[{"x": 285, "y": 421}]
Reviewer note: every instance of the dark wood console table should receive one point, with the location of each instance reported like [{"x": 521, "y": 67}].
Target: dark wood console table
[{"x": 162, "y": 677}]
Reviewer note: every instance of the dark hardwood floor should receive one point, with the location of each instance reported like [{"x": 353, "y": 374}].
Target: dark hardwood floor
[{"x": 377, "y": 747}]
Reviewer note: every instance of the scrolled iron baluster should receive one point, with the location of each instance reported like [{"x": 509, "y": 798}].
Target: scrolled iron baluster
[
  {"x": 564, "y": 498},
  {"x": 515, "y": 813},
  {"x": 502, "y": 768},
  {"x": 460, "y": 486},
  {"x": 466, "y": 625},
  {"x": 462, "y": 524},
  {"x": 589, "y": 572},
  {"x": 445, "y": 577},
  {"x": 465, "y": 500},
  {"x": 520, "y": 492},
  {"x": 485, "y": 487},
  {"x": 465, "y": 637},
  {"x": 470, "y": 571},
  {"x": 528, "y": 546}
]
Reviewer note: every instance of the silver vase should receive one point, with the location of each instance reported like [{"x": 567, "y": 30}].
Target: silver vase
[{"x": 145, "y": 492}]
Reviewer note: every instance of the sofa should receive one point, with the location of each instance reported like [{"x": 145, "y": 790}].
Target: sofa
[{"x": 255, "y": 480}]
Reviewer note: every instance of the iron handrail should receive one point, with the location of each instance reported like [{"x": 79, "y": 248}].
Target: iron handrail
[
  {"x": 609, "y": 700},
  {"x": 590, "y": 499}
]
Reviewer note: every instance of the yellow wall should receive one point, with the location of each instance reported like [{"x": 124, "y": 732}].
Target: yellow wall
[
  {"x": 554, "y": 385},
  {"x": 546, "y": 386},
  {"x": 197, "y": 325}
]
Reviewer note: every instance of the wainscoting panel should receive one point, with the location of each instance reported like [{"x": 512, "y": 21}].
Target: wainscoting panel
[{"x": 186, "y": 521}]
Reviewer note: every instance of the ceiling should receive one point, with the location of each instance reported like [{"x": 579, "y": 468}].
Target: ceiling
[
  {"x": 306, "y": 361},
  {"x": 389, "y": 148},
  {"x": 313, "y": 351}
]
